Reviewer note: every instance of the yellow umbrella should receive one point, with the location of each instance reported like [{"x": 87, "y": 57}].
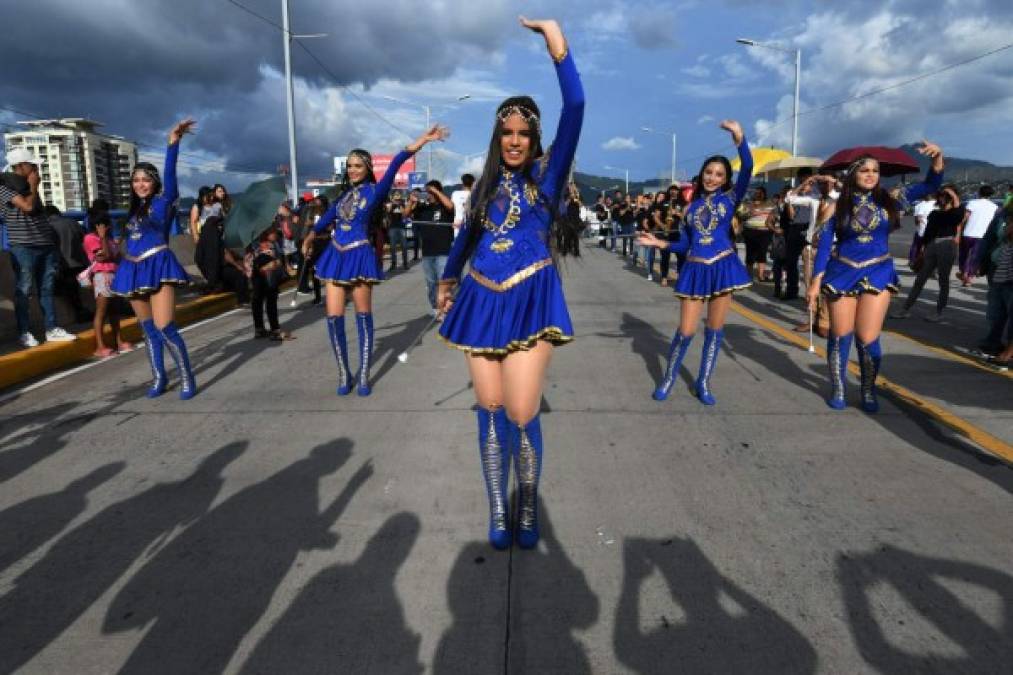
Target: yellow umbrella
[
  {"x": 788, "y": 167},
  {"x": 760, "y": 157}
]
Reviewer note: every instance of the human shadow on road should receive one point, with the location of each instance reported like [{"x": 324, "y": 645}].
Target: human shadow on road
[
  {"x": 201, "y": 593},
  {"x": 714, "y": 626},
  {"x": 52, "y": 594},
  {"x": 20, "y": 450},
  {"x": 533, "y": 631},
  {"x": 387, "y": 347},
  {"x": 649, "y": 344},
  {"x": 348, "y": 618},
  {"x": 920, "y": 581},
  {"x": 27, "y": 525}
]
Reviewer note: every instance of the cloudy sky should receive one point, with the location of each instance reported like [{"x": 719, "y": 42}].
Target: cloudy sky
[{"x": 667, "y": 65}]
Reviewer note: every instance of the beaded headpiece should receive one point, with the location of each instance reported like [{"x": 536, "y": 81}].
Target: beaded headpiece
[
  {"x": 527, "y": 114},
  {"x": 367, "y": 161},
  {"x": 148, "y": 170}
]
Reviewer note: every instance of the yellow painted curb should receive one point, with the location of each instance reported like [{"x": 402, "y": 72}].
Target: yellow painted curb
[
  {"x": 987, "y": 441},
  {"x": 951, "y": 354},
  {"x": 28, "y": 363}
]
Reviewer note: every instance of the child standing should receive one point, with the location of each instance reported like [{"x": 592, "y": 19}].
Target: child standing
[{"x": 103, "y": 254}]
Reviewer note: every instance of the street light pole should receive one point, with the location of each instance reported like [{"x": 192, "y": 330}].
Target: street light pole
[
  {"x": 290, "y": 99},
  {"x": 673, "y": 158},
  {"x": 794, "y": 126},
  {"x": 429, "y": 171}
]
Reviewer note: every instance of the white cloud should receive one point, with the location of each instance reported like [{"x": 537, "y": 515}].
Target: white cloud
[
  {"x": 704, "y": 119},
  {"x": 621, "y": 143},
  {"x": 697, "y": 70}
]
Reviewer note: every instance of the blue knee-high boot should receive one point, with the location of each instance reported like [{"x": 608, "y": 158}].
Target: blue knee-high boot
[
  {"x": 711, "y": 347},
  {"x": 156, "y": 358},
  {"x": 494, "y": 452},
  {"x": 364, "y": 324},
  {"x": 838, "y": 350},
  {"x": 677, "y": 350},
  {"x": 526, "y": 446},
  {"x": 869, "y": 358},
  {"x": 339, "y": 344},
  {"x": 177, "y": 348}
]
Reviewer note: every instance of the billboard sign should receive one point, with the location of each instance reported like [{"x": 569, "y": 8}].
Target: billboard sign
[
  {"x": 417, "y": 180},
  {"x": 381, "y": 162}
]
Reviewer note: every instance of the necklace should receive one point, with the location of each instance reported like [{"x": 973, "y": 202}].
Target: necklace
[
  {"x": 513, "y": 215},
  {"x": 864, "y": 218},
  {"x": 707, "y": 217},
  {"x": 349, "y": 207}
]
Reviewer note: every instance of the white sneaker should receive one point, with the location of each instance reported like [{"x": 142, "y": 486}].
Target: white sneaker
[
  {"x": 59, "y": 335},
  {"x": 650, "y": 277},
  {"x": 28, "y": 340}
]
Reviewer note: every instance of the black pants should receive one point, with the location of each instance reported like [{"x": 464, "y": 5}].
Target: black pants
[
  {"x": 793, "y": 246},
  {"x": 666, "y": 259},
  {"x": 264, "y": 294}
]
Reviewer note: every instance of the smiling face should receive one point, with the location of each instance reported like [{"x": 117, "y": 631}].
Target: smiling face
[
  {"x": 356, "y": 169},
  {"x": 142, "y": 184},
  {"x": 714, "y": 176},
  {"x": 515, "y": 142},
  {"x": 867, "y": 175}
]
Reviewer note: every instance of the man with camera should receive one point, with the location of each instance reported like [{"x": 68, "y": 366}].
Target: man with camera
[
  {"x": 35, "y": 256},
  {"x": 432, "y": 216}
]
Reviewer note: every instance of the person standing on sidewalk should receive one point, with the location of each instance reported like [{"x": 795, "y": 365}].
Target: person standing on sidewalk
[
  {"x": 432, "y": 218},
  {"x": 462, "y": 202},
  {"x": 939, "y": 251},
  {"x": 856, "y": 274},
  {"x": 35, "y": 256},
  {"x": 149, "y": 272},
  {"x": 980, "y": 211},
  {"x": 712, "y": 271},
  {"x": 104, "y": 255},
  {"x": 394, "y": 215},
  {"x": 510, "y": 312},
  {"x": 349, "y": 266},
  {"x": 995, "y": 263}
]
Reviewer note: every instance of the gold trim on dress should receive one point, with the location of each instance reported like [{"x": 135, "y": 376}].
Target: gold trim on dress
[
  {"x": 864, "y": 287},
  {"x": 551, "y": 334},
  {"x": 147, "y": 254},
  {"x": 349, "y": 247},
  {"x": 865, "y": 263},
  {"x": 712, "y": 259},
  {"x": 715, "y": 294},
  {"x": 513, "y": 279},
  {"x": 144, "y": 291}
]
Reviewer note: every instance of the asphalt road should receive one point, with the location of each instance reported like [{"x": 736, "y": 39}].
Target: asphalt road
[{"x": 268, "y": 526}]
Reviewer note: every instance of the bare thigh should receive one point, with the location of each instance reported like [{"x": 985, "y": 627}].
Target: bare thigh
[
  {"x": 163, "y": 305},
  {"x": 487, "y": 378},
  {"x": 523, "y": 378},
  {"x": 336, "y": 299},
  {"x": 872, "y": 310},
  {"x": 690, "y": 312},
  {"x": 717, "y": 310},
  {"x": 842, "y": 315},
  {"x": 362, "y": 296},
  {"x": 141, "y": 307}
]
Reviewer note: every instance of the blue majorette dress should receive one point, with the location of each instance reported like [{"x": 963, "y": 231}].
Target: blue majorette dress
[
  {"x": 350, "y": 259},
  {"x": 512, "y": 296},
  {"x": 861, "y": 260},
  {"x": 148, "y": 263},
  {"x": 712, "y": 265}
]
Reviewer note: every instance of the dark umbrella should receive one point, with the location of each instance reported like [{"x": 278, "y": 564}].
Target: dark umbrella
[
  {"x": 253, "y": 211},
  {"x": 892, "y": 161}
]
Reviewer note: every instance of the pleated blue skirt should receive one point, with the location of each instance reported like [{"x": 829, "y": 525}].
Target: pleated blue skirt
[
  {"x": 700, "y": 281},
  {"x": 485, "y": 321},
  {"x": 348, "y": 268},
  {"x": 843, "y": 279},
  {"x": 134, "y": 279}
]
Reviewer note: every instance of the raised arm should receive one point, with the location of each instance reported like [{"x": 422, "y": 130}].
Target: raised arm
[
  {"x": 564, "y": 146},
  {"x": 745, "y": 158},
  {"x": 162, "y": 206},
  {"x": 383, "y": 186}
]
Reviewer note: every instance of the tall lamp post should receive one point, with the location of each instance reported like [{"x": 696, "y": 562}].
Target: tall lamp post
[
  {"x": 616, "y": 168},
  {"x": 798, "y": 72},
  {"x": 649, "y": 130},
  {"x": 290, "y": 97},
  {"x": 427, "y": 107}
]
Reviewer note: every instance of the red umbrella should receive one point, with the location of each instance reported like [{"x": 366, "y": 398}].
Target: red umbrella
[{"x": 892, "y": 161}]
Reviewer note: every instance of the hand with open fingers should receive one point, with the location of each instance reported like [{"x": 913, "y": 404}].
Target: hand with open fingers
[
  {"x": 182, "y": 128},
  {"x": 445, "y": 296},
  {"x": 553, "y": 34},
  {"x": 929, "y": 149},
  {"x": 437, "y": 132},
  {"x": 735, "y": 129}
]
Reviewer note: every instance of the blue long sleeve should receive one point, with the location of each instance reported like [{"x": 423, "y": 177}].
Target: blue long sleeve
[
  {"x": 825, "y": 245},
  {"x": 571, "y": 119},
  {"x": 384, "y": 185},
  {"x": 456, "y": 258},
  {"x": 329, "y": 215},
  {"x": 682, "y": 245},
  {"x": 162, "y": 205},
  {"x": 933, "y": 181},
  {"x": 745, "y": 171}
]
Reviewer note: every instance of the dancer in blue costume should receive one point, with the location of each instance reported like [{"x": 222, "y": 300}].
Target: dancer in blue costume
[
  {"x": 854, "y": 273},
  {"x": 349, "y": 265},
  {"x": 713, "y": 269},
  {"x": 510, "y": 310},
  {"x": 149, "y": 272}
]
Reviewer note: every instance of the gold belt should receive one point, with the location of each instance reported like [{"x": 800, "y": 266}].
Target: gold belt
[
  {"x": 864, "y": 263},
  {"x": 349, "y": 247},
  {"x": 711, "y": 260},
  {"x": 147, "y": 254},
  {"x": 513, "y": 279}
]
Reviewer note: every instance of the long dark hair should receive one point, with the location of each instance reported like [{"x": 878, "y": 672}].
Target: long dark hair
[
  {"x": 140, "y": 207},
  {"x": 376, "y": 216},
  {"x": 880, "y": 197},
  {"x": 562, "y": 242},
  {"x": 698, "y": 190}
]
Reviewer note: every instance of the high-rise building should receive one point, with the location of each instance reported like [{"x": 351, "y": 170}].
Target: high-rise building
[{"x": 77, "y": 164}]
